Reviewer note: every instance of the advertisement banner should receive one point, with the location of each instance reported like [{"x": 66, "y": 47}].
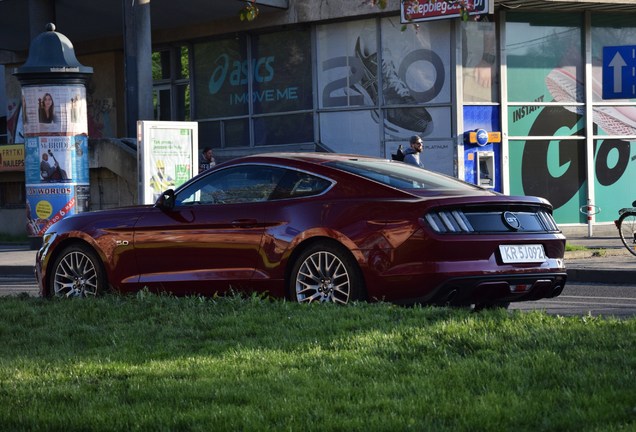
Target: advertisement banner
[
  {"x": 386, "y": 91},
  {"x": 12, "y": 157},
  {"x": 167, "y": 156},
  {"x": 56, "y": 160}
]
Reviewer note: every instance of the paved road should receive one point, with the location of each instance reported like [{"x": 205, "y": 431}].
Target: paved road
[{"x": 578, "y": 299}]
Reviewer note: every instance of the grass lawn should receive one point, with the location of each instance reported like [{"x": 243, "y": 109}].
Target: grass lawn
[{"x": 153, "y": 363}]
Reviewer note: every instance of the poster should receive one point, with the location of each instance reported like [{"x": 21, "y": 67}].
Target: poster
[
  {"x": 56, "y": 160},
  {"x": 370, "y": 86},
  {"x": 167, "y": 156}
]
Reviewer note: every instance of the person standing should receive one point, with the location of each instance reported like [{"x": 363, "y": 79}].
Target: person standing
[
  {"x": 206, "y": 159},
  {"x": 413, "y": 154}
]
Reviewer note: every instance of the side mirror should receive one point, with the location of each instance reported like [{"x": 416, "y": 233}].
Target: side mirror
[{"x": 166, "y": 200}]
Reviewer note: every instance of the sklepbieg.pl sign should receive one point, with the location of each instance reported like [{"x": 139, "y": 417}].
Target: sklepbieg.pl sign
[{"x": 422, "y": 10}]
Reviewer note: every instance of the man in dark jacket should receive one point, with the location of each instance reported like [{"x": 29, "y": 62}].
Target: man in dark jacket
[
  {"x": 412, "y": 155},
  {"x": 206, "y": 159}
]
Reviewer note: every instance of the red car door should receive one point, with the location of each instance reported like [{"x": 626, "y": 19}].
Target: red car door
[
  {"x": 210, "y": 240},
  {"x": 199, "y": 249}
]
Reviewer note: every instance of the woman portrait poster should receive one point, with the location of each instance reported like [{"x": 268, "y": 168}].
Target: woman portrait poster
[{"x": 46, "y": 109}]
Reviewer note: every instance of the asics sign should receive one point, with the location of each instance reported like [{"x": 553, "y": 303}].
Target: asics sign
[
  {"x": 239, "y": 71},
  {"x": 417, "y": 10}
]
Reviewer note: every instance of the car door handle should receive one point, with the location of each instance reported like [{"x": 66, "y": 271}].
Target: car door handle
[{"x": 244, "y": 223}]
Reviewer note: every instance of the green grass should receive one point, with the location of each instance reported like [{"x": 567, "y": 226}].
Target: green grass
[
  {"x": 153, "y": 363},
  {"x": 570, "y": 248},
  {"x": 14, "y": 238}
]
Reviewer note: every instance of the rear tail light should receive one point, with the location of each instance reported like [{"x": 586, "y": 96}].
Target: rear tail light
[
  {"x": 480, "y": 220},
  {"x": 449, "y": 221}
]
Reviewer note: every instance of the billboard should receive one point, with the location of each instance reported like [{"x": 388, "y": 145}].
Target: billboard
[{"x": 167, "y": 156}]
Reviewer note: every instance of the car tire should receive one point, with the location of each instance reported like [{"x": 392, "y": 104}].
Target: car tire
[
  {"x": 326, "y": 273},
  {"x": 77, "y": 272}
]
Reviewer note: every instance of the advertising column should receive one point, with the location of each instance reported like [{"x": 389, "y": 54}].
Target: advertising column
[{"x": 56, "y": 132}]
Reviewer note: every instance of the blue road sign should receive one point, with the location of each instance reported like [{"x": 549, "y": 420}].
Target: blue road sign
[{"x": 619, "y": 72}]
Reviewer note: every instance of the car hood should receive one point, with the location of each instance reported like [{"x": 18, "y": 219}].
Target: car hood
[{"x": 122, "y": 216}]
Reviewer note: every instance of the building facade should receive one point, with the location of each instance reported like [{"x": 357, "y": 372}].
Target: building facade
[{"x": 536, "y": 75}]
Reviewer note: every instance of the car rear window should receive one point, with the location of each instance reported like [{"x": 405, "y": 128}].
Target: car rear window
[{"x": 400, "y": 175}]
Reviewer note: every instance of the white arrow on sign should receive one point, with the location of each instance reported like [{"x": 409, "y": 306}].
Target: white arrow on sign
[{"x": 618, "y": 64}]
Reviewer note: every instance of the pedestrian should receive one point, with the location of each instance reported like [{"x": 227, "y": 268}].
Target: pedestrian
[
  {"x": 412, "y": 155},
  {"x": 206, "y": 159}
]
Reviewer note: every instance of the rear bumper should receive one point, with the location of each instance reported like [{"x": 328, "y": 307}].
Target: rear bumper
[{"x": 505, "y": 288}]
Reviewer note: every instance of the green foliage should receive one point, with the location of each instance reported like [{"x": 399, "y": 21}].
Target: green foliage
[
  {"x": 249, "y": 11},
  {"x": 155, "y": 362}
]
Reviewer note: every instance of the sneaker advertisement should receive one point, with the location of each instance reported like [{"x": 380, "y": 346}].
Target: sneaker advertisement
[
  {"x": 379, "y": 82},
  {"x": 549, "y": 58}
]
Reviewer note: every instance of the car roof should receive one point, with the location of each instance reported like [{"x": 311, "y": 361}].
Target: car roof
[{"x": 312, "y": 157}]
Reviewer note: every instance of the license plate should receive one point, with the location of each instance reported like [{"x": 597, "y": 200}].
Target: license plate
[{"x": 522, "y": 253}]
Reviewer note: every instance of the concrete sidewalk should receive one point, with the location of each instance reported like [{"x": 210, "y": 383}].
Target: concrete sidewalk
[{"x": 605, "y": 260}]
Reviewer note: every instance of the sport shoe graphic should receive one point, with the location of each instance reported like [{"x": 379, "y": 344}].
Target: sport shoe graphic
[
  {"x": 368, "y": 85},
  {"x": 565, "y": 87},
  {"x": 394, "y": 92}
]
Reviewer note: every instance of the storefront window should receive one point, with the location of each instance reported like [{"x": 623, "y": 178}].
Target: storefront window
[
  {"x": 171, "y": 84},
  {"x": 347, "y": 64},
  {"x": 377, "y": 90},
  {"x": 614, "y": 118},
  {"x": 544, "y": 57},
  {"x": 553, "y": 169},
  {"x": 282, "y": 72},
  {"x": 221, "y": 74},
  {"x": 551, "y": 120},
  {"x": 609, "y": 30},
  {"x": 480, "y": 70},
  {"x": 614, "y": 173},
  {"x": 274, "y": 77},
  {"x": 283, "y": 129}
]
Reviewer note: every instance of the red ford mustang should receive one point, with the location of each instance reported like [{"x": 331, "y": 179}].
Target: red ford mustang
[{"x": 315, "y": 227}]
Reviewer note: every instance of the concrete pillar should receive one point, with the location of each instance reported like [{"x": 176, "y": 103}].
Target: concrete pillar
[{"x": 138, "y": 63}]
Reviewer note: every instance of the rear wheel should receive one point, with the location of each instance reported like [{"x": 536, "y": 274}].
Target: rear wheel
[
  {"x": 77, "y": 272},
  {"x": 627, "y": 229},
  {"x": 325, "y": 272}
]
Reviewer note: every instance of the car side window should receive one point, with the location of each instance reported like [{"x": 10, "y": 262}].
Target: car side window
[
  {"x": 233, "y": 185},
  {"x": 296, "y": 184}
]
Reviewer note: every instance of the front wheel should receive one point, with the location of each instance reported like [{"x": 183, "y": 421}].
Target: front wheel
[
  {"x": 627, "y": 228},
  {"x": 77, "y": 272},
  {"x": 325, "y": 272}
]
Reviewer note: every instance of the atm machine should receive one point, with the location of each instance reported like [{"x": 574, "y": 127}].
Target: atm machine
[
  {"x": 486, "y": 167},
  {"x": 482, "y": 158}
]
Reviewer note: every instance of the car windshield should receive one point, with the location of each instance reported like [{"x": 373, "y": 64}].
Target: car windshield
[{"x": 400, "y": 175}]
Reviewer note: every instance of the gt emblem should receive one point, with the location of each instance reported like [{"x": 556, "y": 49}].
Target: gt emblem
[{"x": 511, "y": 220}]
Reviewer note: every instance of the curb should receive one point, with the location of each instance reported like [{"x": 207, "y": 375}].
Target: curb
[
  {"x": 614, "y": 276},
  {"x": 17, "y": 270}
]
